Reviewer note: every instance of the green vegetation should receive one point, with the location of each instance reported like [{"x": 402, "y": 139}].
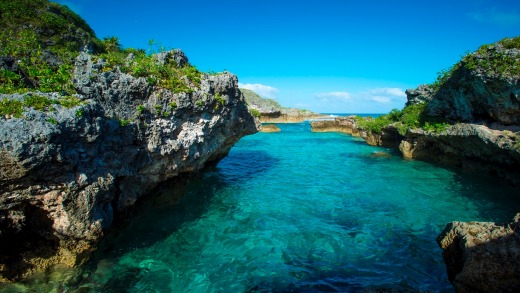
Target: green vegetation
[
  {"x": 255, "y": 113},
  {"x": 40, "y": 103},
  {"x": 31, "y": 70},
  {"x": 124, "y": 122},
  {"x": 499, "y": 63},
  {"x": 59, "y": 27},
  {"x": 140, "y": 109},
  {"x": 52, "y": 121},
  {"x": 254, "y": 99},
  {"x": 221, "y": 101},
  {"x": 79, "y": 113},
  {"x": 136, "y": 62},
  {"x": 200, "y": 103},
  {"x": 410, "y": 117},
  {"x": 41, "y": 40},
  {"x": 10, "y": 108},
  {"x": 487, "y": 59},
  {"x": 69, "y": 101},
  {"x": 158, "y": 110}
]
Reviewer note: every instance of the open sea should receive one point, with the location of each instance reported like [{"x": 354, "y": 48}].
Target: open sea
[{"x": 294, "y": 211}]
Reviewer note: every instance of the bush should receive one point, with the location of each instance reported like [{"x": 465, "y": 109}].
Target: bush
[
  {"x": 38, "y": 102},
  {"x": 255, "y": 113},
  {"x": 10, "y": 108},
  {"x": 410, "y": 117}
]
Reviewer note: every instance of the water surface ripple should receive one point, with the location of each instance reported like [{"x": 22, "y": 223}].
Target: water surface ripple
[{"x": 298, "y": 211}]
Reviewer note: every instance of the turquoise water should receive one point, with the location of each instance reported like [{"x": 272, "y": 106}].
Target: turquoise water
[{"x": 298, "y": 211}]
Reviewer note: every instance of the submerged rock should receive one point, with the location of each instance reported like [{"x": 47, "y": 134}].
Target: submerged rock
[
  {"x": 67, "y": 174},
  {"x": 481, "y": 256}
]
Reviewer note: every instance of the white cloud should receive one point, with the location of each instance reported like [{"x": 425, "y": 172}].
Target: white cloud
[
  {"x": 385, "y": 95},
  {"x": 264, "y": 91},
  {"x": 381, "y": 99},
  {"x": 495, "y": 17},
  {"x": 333, "y": 96},
  {"x": 393, "y": 92}
]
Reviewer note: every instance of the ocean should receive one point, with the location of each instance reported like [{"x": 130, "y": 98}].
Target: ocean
[{"x": 294, "y": 211}]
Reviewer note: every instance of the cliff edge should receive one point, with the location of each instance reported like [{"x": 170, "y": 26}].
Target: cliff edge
[{"x": 79, "y": 149}]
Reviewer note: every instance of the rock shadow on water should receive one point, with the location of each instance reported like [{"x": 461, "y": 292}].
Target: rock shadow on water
[
  {"x": 171, "y": 206},
  {"x": 152, "y": 220},
  {"x": 242, "y": 165}
]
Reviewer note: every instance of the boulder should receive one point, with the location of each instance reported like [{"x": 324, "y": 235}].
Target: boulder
[{"x": 482, "y": 256}]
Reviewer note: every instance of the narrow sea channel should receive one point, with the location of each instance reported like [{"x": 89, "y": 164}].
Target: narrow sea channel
[{"x": 298, "y": 211}]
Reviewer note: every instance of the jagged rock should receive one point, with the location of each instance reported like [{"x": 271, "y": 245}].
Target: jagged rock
[
  {"x": 176, "y": 55},
  {"x": 422, "y": 94},
  {"x": 481, "y": 256},
  {"x": 478, "y": 95},
  {"x": 64, "y": 180}
]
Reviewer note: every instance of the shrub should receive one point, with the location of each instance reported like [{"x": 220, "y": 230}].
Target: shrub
[
  {"x": 158, "y": 110},
  {"x": 140, "y": 109},
  {"x": 255, "y": 113},
  {"x": 69, "y": 101},
  {"x": 410, "y": 117},
  {"x": 124, "y": 122},
  {"x": 40, "y": 103},
  {"x": 10, "y": 108}
]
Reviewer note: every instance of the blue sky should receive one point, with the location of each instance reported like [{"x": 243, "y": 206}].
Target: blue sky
[{"x": 327, "y": 56}]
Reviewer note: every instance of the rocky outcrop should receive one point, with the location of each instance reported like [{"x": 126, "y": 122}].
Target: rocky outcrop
[
  {"x": 67, "y": 174},
  {"x": 481, "y": 256},
  {"x": 390, "y": 137},
  {"x": 271, "y": 111},
  {"x": 470, "y": 146},
  {"x": 422, "y": 94},
  {"x": 481, "y": 88},
  {"x": 270, "y": 128}
]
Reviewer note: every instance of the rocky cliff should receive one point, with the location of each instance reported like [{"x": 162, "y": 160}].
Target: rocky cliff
[
  {"x": 83, "y": 139},
  {"x": 66, "y": 174}
]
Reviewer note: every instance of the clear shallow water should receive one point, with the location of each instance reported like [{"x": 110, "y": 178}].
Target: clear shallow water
[{"x": 298, "y": 211}]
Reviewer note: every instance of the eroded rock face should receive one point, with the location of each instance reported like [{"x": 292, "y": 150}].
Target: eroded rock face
[
  {"x": 481, "y": 256},
  {"x": 475, "y": 95},
  {"x": 422, "y": 94},
  {"x": 64, "y": 180}
]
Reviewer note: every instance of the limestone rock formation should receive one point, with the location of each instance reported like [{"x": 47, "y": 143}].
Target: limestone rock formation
[
  {"x": 481, "y": 256},
  {"x": 272, "y": 112},
  {"x": 270, "y": 128},
  {"x": 484, "y": 86},
  {"x": 422, "y": 94},
  {"x": 66, "y": 174}
]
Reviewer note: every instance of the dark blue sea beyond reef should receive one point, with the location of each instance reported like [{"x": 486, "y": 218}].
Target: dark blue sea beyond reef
[{"x": 298, "y": 211}]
